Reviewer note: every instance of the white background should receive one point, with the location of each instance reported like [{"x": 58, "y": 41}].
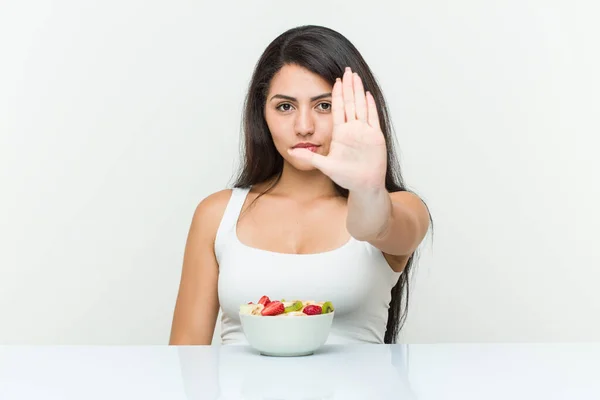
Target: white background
[{"x": 118, "y": 117}]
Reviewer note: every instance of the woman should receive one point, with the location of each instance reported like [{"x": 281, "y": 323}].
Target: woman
[{"x": 319, "y": 210}]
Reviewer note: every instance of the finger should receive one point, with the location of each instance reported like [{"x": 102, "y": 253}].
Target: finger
[
  {"x": 348, "y": 89},
  {"x": 337, "y": 103},
  {"x": 373, "y": 117},
  {"x": 359, "y": 98},
  {"x": 314, "y": 159}
]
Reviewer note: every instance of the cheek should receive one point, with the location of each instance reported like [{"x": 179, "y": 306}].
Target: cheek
[
  {"x": 279, "y": 132},
  {"x": 280, "y": 128}
]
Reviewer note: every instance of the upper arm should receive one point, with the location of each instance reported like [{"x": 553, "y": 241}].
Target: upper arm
[
  {"x": 419, "y": 211},
  {"x": 420, "y": 226},
  {"x": 197, "y": 304}
]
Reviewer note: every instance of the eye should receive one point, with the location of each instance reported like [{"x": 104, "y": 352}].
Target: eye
[
  {"x": 324, "y": 106},
  {"x": 284, "y": 107}
]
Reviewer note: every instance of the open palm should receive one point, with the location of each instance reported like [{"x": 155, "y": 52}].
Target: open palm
[{"x": 357, "y": 156}]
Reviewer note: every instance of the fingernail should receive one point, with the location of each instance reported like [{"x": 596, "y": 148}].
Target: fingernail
[{"x": 348, "y": 69}]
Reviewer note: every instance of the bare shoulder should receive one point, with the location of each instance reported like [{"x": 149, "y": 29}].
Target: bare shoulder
[
  {"x": 210, "y": 211},
  {"x": 214, "y": 202}
]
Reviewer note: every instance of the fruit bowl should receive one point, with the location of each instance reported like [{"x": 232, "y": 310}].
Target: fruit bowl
[{"x": 286, "y": 329}]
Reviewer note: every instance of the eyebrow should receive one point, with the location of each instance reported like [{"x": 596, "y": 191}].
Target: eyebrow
[{"x": 284, "y": 97}]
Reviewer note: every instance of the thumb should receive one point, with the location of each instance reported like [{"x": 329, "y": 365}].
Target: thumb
[{"x": 316, "y": 160}]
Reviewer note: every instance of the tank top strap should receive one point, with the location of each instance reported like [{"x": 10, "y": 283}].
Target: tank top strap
[{"x": 226, "y": 231}]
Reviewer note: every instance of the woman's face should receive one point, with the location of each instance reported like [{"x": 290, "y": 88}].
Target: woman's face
[{"x": 298, "y": 112}]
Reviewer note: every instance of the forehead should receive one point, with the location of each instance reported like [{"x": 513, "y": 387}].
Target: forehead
[{"x": 296, "y": 81}]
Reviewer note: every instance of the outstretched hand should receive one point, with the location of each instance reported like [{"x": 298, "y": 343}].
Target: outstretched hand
[{"x": 357, "y": 158}]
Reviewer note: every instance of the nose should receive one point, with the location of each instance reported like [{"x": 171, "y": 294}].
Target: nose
[{"x": 304, "y": 123}]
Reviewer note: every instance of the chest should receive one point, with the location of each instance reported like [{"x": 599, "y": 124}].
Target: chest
[
  {"x": 291, "y": 228},
  {"x": 349, "y": 277}
]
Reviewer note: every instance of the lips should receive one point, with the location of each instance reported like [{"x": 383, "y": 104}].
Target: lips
[{"x": 308, "y": 146}]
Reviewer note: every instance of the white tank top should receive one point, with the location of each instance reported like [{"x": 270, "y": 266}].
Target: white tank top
[{"x": 355, "y": 277}]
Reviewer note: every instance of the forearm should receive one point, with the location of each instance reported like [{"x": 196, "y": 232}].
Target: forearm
[
  {"x": 369, "y": 214},
  {"x": 390, "y": 226}
]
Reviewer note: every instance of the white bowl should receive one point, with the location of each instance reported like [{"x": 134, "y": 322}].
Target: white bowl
[{"x": 287, "y": 336}]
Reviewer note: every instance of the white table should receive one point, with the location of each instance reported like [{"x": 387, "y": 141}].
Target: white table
[{"x": 443, "y": 371}]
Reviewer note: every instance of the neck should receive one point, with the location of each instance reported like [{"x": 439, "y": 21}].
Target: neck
[{"x": 304, "y": 185}]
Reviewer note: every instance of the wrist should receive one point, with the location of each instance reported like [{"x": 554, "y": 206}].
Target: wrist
[{"x": 369, "y": 213}]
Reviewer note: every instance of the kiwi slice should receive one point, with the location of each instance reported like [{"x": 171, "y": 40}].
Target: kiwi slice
[
  {"x": 327, "y": 307},
  {"x": 295, "y": 306}
]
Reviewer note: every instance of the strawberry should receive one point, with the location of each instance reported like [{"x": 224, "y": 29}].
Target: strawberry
[
  {"x": 312, "y": 309},
  {"x": 273, "y": 308},
  {"x": 264, "y": 300}
]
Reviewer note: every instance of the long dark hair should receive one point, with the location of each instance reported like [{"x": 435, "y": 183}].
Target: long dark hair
[{"x": 324, "y": 52}]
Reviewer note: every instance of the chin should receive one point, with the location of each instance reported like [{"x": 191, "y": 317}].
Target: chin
[{"x": 300, "y": 166}]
